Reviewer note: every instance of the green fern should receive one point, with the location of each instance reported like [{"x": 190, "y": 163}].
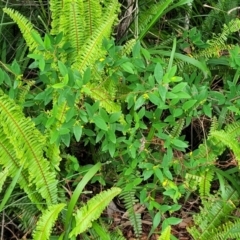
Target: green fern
[
  {"x": 206, "y": 178},
  {"x": 213, "y": 214},
  {"x": 207, "y": 153},
  {"x": 3, "y": 176},
  {"x": 130, "y": 201},
  {"x": 92, "y": 210},
  {"x": 25, "y": 146},
  {"x": 229, "y": 138},
  {"x": 218, "y": 43},
  {"x": 25, "y": 27},
  {"x": 228, "y": 230},
  {"x": 100, "y": 94},
  {"x": 218, "y": 15},
  {"x": 176, "y": 131},
  {"x": 84, "y": 25},
  {"x": 166, "y": 234},
  {"x": 9, "y": 160},
  {"x": 46, "y": 222}
]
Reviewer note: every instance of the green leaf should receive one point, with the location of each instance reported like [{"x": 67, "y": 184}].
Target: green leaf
[
  {"x": 182, "y": 95},
  {"x": 188, "y": 104},
  {"x": 163, "y": 92},
  {"x": 207, "y": 109},
  {"x": 167, "y": 173},
  {"x": 111, "y": 135},
  {"x": 159, "y": 174},
  {"x": 77, "y": 131},
  {"x": 3, "y": 175},
  {"x": 99, "y": 121},
  {"x": 54, "y": 136},
  {"x": 179, "y": 143},
  {"x": 75, "y": 197},
  {"x": 173, "y": 220},
  {"x": 70, "y": 114},
  {"x": 10, "y": 188},
  {"x": 47, "y": 42},
  {"x": 87, "y": 76},
  {"x": 177, "y": 112},
  {"x": 111, "y": 149},
  {"x": 89, "y": 132},
  {"x": 100, "y": 135},
  {"x": 59, "y": 85},
  {"x": 147, "y": 174},
  {"x": 179, "y": 87},
  {"x": 156, "y": 220},
  {"x": 140, "y": 101},
  {"x": 58, "y": 38},
  {"x": 158, "y": 72},
  {"x": 66, "y": 139},
  {"x": 36, "y": 36},
  {"x": 136, "y": 50},
  {"x": 41, "y": 64},
  {"x": 114, "y": 117},
  {"x": 62, "y": 68},
  {"x": 128, "y": 67},
  {"x": 154, "y": 98},
  {"x": 201, "y": 65}
]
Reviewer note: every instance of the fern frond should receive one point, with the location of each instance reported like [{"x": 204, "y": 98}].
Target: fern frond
[
  {"x": 176, "y": 131},
  {"x": 218, "y": 12},
  {"x": 128, "y": 47},
  {"x": 52, "y": 152},
  {"x": 9, "y": 160},
  {"x": 56, "y": 11},
  {"x": 26, "y": 212},
  {"x": 233, "y": 129},
  {"x": 92, "y": 210},
  {"x": 92, "y": 49},
  {"x": 147, "y": 15},
  {"x": 105, "y": 99},
  {"x": 192, "y": 181},
  {"x": 229, "y": 138},
  {"x": 166, "y": 234},
  {"x": 214, "y": 124},
  {"x": 93, "y": 13},
  {"x": 23, "y": 91},
  {"x": 205, "y": 183},
  {"x": 3, "y": 176},
  {"x": 46, "y": 222},
  {"x": 218, "y": 43},
  {"x": 229, "y": 142},
  {"x": 72, "y": 24},
  {"x": 213, "y": 213},
  {"x": 209, "y": 150},
  {"x": 28, "y": 144},
  {"x": 130, "y": 201},
  {"x": 25, "y": 27},
  {"x": 229, "y": 230}
]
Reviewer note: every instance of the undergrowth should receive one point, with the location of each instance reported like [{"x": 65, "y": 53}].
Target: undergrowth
[{"x": 144, "y": 125}]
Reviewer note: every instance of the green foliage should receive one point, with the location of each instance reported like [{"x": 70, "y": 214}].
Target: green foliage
[
  {"x": 25, "y": 148},
  {"x": 83, "y": 216},
  {"x": 83, "y": 25},
  {"x": 92, "y": 210},
  {"x": 137, "y": 113},
  {"x": 3, "y": 176},
  {"x": 45, "y": 223},
  {"x": 134, "y": 217},
  {"x": 213, "y": 220}
]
